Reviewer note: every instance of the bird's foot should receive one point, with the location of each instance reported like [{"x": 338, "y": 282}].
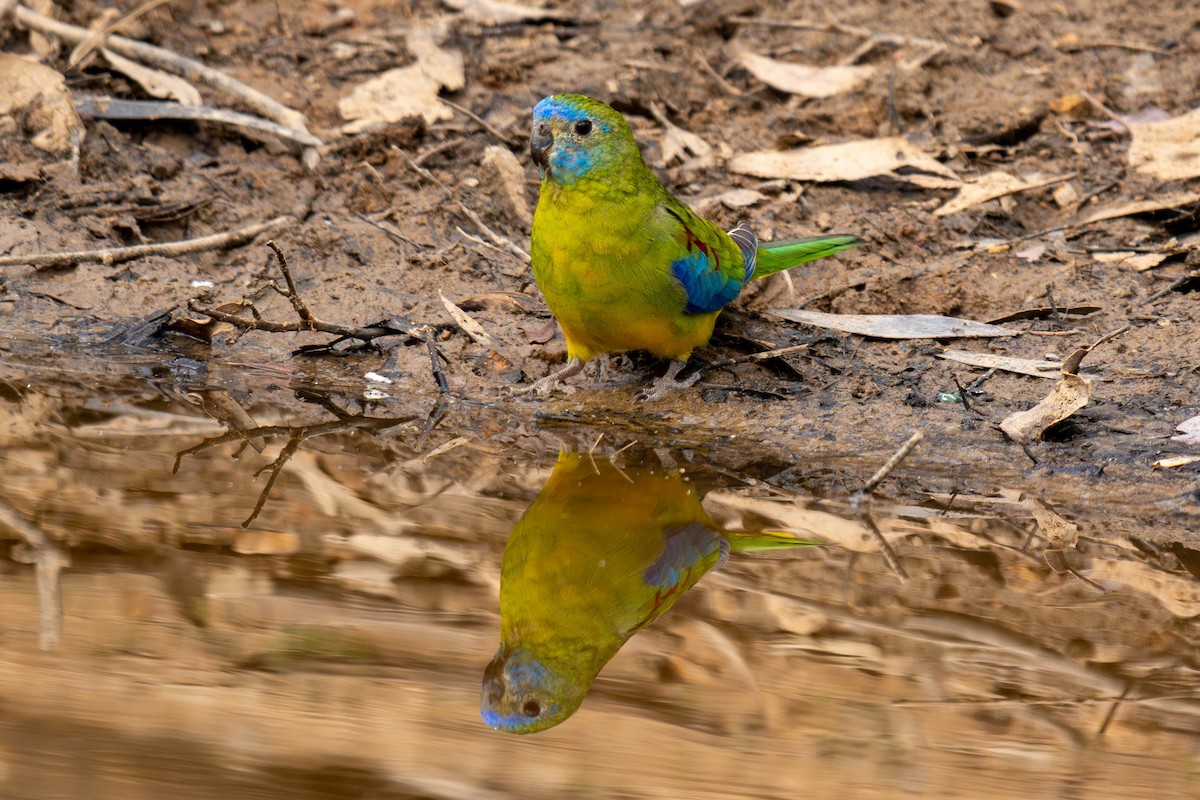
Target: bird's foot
[
  {"x": 544, "y": 387},
  {"x": 668, "y": 383}
]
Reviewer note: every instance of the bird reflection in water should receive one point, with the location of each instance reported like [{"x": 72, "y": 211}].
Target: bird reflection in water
[{"x": 600, "y": 554}]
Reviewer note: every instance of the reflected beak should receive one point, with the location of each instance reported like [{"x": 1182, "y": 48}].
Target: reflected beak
[{"x": 540, "y": 142}]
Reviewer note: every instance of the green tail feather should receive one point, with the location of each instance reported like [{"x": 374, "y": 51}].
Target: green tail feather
[
  {"x": 742, "y": 542},
  {"x": 777, "y": 256}
]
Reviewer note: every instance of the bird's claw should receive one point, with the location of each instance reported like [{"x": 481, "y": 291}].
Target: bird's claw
[
  {"x": 667, "y": 384},
  {"x": 544, "y": 387}
]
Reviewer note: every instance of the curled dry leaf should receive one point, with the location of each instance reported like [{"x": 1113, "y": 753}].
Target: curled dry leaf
[
  {"x": 406, "y": 91},
  {"x": 468, "y": 324},
  {"x": 1021, "y": 366},
  {"x": 804, "y": 79},
  {"x": 494, "y": 12},
  {"x": 37, "y": 95},
  {"x": 156, "y": 82},
  {"x": 1058, "y": 533},
  {"x": 894, "y": 326},
  {"x": 733, "y": 199},
  {"x": 1128, "y": 209},
  {"x": 1069, "y": 395},
  {"x": 1189, "y": 431},
  {"x": 1169, "y": 149},
  {"x": 993, "y": 185},
  {"x": 1174, "y": 462},
  {"x": 679, "y": 144},
  {"x": 1138, "y": 261},
  {"x": 851, "y": 161}
]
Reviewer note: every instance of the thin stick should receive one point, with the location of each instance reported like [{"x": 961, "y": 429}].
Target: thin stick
[
  {"x": 435, "y": 364},
  {"x": 1172, "y": 286},
  {"x": 97, "y": 37},
  {"x": 891, "y": 464},
  {"x": 717, "y": 77},
  {"x": 836, "y": 27},
  {"x": 113, "y": 255},
  {"x": 114, "y": 108},
  {"x": 1143, "y": 48},
  {"x": 501, "y": 241},
  {"x": 763, "y": 356},
  {"x": 1105, "y": 110},
  {"x": 293, "y": 294},
  {"x": 48, "y": 560},
  {"x": 858, "y": 500},
  {"x": 171, "y": 62},
  {"x": 472, "y": 115}
]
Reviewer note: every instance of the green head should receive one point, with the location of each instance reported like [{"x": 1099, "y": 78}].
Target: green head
[
  {"x": 575, "y": 138},
  {"x": 522, "y": 694}
]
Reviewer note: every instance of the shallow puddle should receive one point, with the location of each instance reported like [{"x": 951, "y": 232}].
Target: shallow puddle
[{"x": 269, "y": 592}]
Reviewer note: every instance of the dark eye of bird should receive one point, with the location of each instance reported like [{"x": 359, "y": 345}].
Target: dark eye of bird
[
  {"x": 531, "y": 708},
  {"x": 583, "y": 127}
]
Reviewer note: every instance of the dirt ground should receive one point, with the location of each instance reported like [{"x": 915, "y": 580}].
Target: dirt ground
[{"x": 387, "y": 221}]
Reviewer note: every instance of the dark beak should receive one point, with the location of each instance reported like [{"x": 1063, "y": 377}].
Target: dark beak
[
  {"x": 493, "y": 682},
  {"x": 540, "y": 142}
]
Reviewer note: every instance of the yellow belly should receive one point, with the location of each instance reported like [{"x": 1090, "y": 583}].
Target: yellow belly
[{"x": 606, "y": 310}]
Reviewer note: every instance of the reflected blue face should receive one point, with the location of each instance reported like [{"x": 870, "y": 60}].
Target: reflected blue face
[
  {"x": 522, "y": 695},
  {"x": 575, "y": 137}
]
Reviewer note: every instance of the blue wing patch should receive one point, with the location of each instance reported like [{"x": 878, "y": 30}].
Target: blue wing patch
[
  {"x": 683, "y": 551},
  {"x": 707, "y": 289},
  {"x": 699, "y": 272}
]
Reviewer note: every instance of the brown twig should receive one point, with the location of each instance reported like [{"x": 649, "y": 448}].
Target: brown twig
[
  {"x": 48, "y": 560},
  {"x": 114, "y": 108},
  {"x": 833, "y": 26},
  {"x": 113, "y": 255},
  {"x": 753, "y": 357},
  {"x": 171, "y": 62},
  {"x": 859, "y": 498},
  {"x": 296, "y": 434},
  {"x": 466, "y": 112},
  {"x": 97, "y": 37},
  {"x": 308, "y": 321},
  {"x": 1172, "y": 286}
]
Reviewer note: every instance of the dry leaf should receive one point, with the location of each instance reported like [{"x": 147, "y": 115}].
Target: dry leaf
[
  {"x": 733, "y": 199},
  {"x": 1138, "y": 261},
  {"x": 1189, "y": 431},
  {"x": 1128, "y": 209},
  {"x": 677, "y": 143},
  {"x": 444, "y": 66},
  {"x": 505, "y": 177},
  {"x": 806, "y": 80},
  {"x": 39, "y": 95},
  {"x": 1068, "y": 396},
  {"x": 1168, "y": 150},
  {"x": 1021, "y": 366},
  {"x": 156, "y": 82},
  {"x": 993, "y": 185},
  {"x": 468, "y": 324},
  {"x": 1058, "y": 533},
  {"x": 894, "y": 326},
  {"x": 850, "y": 161},
  {"x": 493, "y": 12},
  {"x": 1175, "y": 461},
  {"x": 406, "y": 91},
  {"x": 1032, "y": 253}
]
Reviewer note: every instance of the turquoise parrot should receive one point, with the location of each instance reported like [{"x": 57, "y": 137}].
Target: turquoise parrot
[
  {"x": 622, "y": 263},
  {"x": 600, "y": 554}
]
